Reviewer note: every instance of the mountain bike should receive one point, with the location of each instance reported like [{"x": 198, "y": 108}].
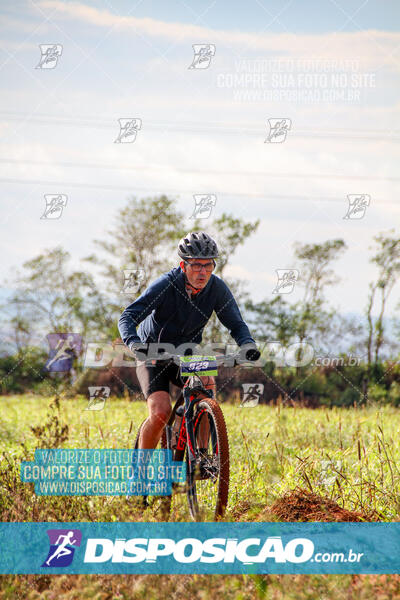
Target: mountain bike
[{"x": 196, "y": 433}]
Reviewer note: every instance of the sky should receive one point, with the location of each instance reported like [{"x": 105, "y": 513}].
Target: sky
[{"x": 327, "y": 70}]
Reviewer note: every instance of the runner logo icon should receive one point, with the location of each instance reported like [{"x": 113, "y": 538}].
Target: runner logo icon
[{"x": 62, "y": 547}]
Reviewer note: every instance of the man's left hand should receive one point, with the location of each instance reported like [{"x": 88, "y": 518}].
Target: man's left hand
[{"x": 252, "y": 354}]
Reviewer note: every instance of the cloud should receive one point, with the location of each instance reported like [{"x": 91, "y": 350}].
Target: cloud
[
  {"x": 196, "y": 138},
  {"x": 372, "y": 47}
]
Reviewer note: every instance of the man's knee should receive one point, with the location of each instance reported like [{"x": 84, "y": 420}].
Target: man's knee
[{"x": 159, "y": 405}]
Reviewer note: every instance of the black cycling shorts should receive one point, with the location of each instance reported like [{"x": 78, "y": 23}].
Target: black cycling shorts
[{"x": 157, "y": 377}]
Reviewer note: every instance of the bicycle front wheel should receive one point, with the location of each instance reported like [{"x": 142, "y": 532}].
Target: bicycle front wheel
[{"x": 208, "y": 484}]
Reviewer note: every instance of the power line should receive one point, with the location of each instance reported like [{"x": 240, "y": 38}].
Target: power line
[
  {"x": 200, "y": 171},
  {"x": 226, "y": 128},
  {"x": 58, "y": 185}
]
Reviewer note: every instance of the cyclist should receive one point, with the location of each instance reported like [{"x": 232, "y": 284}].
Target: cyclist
[{"x": 175, "y": 308}]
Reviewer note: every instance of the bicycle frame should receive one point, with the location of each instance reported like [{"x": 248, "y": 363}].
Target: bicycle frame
[{"x": 193, "y": 392}]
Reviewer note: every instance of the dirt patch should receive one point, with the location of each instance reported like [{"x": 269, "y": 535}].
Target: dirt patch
[{"x": 302, "y": 505}]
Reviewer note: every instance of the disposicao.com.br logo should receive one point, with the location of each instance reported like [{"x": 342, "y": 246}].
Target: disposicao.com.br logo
[
  {"x": 228, "y": 553},
  {"x": 212, "y": 550},
  {"x": 224, "y": 548}
]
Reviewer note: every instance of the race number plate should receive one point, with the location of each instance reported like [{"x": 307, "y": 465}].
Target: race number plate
[{"x": 198, "y": 365}]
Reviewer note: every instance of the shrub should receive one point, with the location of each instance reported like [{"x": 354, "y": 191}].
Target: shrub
[
  {"x": 378, "y": 393},
  {"x": 394, "y": 394},
  {"x": 19, "y": 372},
  {"x": 349, "y": 397}
]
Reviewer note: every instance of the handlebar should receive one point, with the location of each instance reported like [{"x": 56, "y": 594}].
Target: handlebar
[
  {"x": 233, "y": 360},
  {"x": 218, "y": 357}
]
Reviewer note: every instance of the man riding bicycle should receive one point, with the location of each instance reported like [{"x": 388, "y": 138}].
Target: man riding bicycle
[{"x": 175, "y": 308}]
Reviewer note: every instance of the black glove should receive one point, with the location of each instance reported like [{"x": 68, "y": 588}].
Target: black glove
[
  {"x": 139, "y": 350},
  {"x": 252, "y": 354}
]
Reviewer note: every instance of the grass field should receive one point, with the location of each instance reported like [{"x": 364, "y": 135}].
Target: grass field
[{"x": 349, "y": 456}]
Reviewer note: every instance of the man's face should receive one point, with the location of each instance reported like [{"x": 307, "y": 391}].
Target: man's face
[{"x": 198, "y": 279}]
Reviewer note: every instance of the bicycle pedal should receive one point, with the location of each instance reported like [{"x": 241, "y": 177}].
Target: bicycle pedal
[{"x": 205, "y": 471}]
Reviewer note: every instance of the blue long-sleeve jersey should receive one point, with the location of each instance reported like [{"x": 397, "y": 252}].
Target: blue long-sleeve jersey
[{"x": 165, "y": 313}]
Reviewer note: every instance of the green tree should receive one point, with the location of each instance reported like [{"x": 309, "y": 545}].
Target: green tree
[
  {"x": 308, "y": 320},
  {"x": 145, "y": 234},
  {"x": 273, "y": 321},
  {"x": 387, "y": 259},
  {"x": 144, "y": 237},
  {"x": 316, "y": 274},
  {"x": 49, "y": 297}
]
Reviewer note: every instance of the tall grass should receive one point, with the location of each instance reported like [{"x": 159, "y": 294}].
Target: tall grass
[
  {"x": 348, "y": 455},
  {"x": 351, "y": 456}
]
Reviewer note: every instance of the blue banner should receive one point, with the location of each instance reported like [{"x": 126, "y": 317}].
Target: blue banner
[
  {"x": 103, "y": 472},
  {"x": 221, "y": 548}
]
